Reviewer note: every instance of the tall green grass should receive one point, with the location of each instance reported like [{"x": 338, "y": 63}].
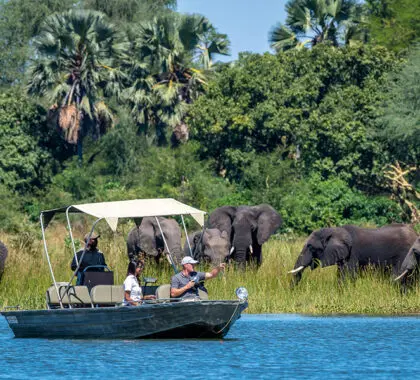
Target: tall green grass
[{"x": 27, "y": 277}]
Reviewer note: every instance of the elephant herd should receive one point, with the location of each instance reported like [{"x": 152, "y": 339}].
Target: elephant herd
[
  {"x": 238, "y": 233},
  {"x": 235, "y": 233}
]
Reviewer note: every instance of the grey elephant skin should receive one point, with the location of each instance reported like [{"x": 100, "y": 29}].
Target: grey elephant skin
[
  {"x": 410, "y": 267},
  {"x": 3, "y": 256},
  {"x": 211, "y": 246},
  {"x": 146, "y": 239},
  {"x": 248, "y": 228},
  {"x": 351, "y": 247}
]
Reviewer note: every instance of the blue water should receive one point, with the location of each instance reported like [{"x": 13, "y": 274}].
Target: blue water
[{"x": 258, "y": 346}]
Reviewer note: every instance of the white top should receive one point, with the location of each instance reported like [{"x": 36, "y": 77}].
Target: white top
[{"x": 132, "y": 285}]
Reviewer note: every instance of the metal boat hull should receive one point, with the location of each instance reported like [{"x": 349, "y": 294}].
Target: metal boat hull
[{"x": 203, "y": 319}]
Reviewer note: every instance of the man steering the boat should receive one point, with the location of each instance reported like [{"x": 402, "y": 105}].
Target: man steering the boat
[
  {"x": 186, "y": 283},
  {"x": 92, "y": 257}
]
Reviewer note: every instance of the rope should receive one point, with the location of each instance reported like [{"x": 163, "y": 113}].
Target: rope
[{"x": 228, "y": 322}]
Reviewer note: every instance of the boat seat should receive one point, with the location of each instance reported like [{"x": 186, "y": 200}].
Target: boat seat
[
  {"x": 203, "y": 295},
  {"x": 163, "y": 292},
  {"x": 76, "y": 295},
  {"x": 107, "y": 294},
  {"x": 92, "y": 279}
]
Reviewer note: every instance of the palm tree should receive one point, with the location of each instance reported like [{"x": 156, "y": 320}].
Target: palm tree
[
  {"x": 310, "y": 22},
  {"x": 172, "y": 57},
  {"x": 76, "y": 69}
]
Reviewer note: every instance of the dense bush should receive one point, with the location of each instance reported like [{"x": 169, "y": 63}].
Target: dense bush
[
  {"x": 318, "y": 105},
  {"x": 313, "y": 203}
]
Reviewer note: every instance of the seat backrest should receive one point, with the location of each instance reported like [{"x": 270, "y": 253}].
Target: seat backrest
[
  {"x": 75, "y": 295},
  {"x": 91, "y": 279},
  {"x": 203, "y": 295},
  {"x": 163, "y": 291},
  {"x": 107, "y": 294}
]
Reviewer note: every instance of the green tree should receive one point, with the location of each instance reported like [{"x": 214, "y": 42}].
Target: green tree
[
  {"x": 317, "y": 105},
  {"x": 24, "y": 163},
  {"x": 76, "y": 67},
  {"x": 311, "y": 22},
  {"x": 19, "y": 22},
  {"x": 394, "y": 23},
  {"x": 400, "y": 125},
  {"x": 129, "y": 11},
  {"x": 165, "y": 72}
]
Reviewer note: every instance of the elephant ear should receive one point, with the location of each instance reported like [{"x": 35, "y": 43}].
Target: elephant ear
[
  {"x": 222, "y": 219},
  {"x": 337, "y": 246},
  {"x": 268, "y": 221}
]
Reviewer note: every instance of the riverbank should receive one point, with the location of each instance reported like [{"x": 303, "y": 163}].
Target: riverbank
[{"x": 27, "y": 277}]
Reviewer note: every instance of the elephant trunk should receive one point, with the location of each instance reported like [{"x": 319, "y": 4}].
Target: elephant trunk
[{"x": 240, "y": 257}]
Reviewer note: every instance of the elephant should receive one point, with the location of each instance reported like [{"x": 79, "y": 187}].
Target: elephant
[
  {"x": 3, "y": 256},
  {"x": 213, "y": 246},
  {"x": 247, "y": 228},
  {"x": 146, "y": 239},
  {"x": 411, "y": 264},
  {"x": 351, "y": 247}
]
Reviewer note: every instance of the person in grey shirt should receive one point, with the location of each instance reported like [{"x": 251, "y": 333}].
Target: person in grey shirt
[{"x": 185, "y": 284}]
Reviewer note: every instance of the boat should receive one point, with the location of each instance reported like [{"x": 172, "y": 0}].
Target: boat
[{"x": 96, "y": 312}]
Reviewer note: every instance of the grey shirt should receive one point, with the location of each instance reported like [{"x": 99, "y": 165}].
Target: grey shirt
[{"x": 180, "y": 280}]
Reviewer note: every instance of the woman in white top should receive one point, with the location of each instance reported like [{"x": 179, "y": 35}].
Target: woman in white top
[{"x": 132, "y": 289}]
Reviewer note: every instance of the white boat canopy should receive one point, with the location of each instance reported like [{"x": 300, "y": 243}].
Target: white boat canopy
[{"x": 136, "y": 208}]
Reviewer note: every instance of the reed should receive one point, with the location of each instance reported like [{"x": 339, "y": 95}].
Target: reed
[{"x": 27, "y": 277}]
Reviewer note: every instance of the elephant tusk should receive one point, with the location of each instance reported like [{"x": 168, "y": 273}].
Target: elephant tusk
[
  {"x": 297, "y": 270},
  {"x": 231, "y": 250},
  {"x": 250, "y": 249},
  {"x": 401, "y": 275}
]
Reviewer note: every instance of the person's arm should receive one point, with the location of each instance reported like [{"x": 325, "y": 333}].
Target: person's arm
[
  {"x": 215, "y": 271},
  {"x": 178, "y": 292},
  {"x": 73, "y": 265},
  {"x": 127, "y": 297}
]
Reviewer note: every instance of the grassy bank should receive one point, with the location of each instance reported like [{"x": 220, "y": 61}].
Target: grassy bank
[{"x": 27, "y": 277}]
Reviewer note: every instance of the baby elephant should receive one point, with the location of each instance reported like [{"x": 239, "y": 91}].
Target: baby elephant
[{"x": 213, "y": 246}]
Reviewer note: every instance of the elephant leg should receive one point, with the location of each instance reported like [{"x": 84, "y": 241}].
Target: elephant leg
[
  {"x": 347, "y": 269},
  {"x": 257, "y": 253}
]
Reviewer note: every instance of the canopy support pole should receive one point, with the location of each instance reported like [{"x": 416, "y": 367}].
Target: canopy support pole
[
  {"x": 41, "y": 218},
  {"x": 171, "y": 260},
  {"x": 186, "y": 235},
  {"x": 71, "y": 234}
]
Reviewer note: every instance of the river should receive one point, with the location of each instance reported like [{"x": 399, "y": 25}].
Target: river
[{"x": 258, "y": 346}]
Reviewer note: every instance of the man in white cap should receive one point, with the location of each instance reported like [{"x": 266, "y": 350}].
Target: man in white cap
[
  {"x": 93, "y": 256},
  {"x": 186, "y": 283}
]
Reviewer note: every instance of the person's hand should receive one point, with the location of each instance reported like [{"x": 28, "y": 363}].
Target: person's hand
[
  {"x": 190, "y": 285},
  {"x": 150, "y": 297}
]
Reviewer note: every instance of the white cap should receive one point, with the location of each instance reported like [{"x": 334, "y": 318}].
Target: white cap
[{"x": 188, "y": 260}]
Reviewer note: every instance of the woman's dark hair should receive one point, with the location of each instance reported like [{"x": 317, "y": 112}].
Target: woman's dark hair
[{"x": 132, "y": 267}]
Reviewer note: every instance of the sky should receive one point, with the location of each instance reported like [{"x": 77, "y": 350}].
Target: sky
[{"x": 246, "y": 22}]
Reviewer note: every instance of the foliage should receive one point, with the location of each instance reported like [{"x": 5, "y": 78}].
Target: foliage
[
  {"x": 24, "y": 161},
  {"x": 312, "y": 203},
  {"x": 400, "y": 124},
  {"x": 311, "y": 22},
  {"x": 394, "y": 23},
  {"x": 165, "y": 69},
  {"x": 317, "y": 105},
  {"x": 75, "y": 68},
  {"x": 19, "y": 22},
  {"x": 129, "y": 11}
]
